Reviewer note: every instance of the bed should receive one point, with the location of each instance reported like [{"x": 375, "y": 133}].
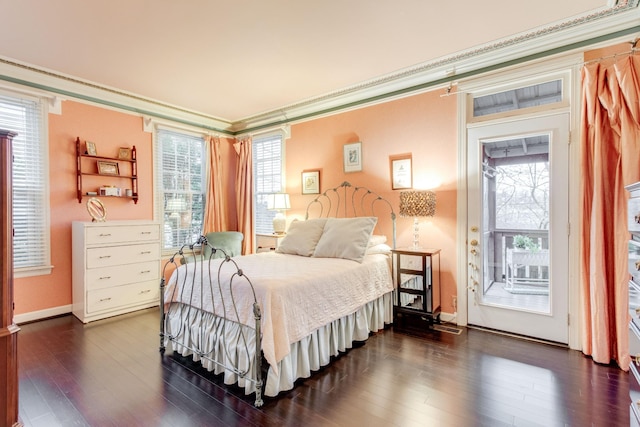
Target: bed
[{"x": 264, "y": 320}]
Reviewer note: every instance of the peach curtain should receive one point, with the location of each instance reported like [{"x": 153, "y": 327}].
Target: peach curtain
[
  {"x": 244, "y": 192},
  {"x": 610, "y": 141},
  {"x": 215, "y": 217}
]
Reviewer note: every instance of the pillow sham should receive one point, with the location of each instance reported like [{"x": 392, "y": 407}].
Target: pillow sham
[
  {"x": 377, "y": 239},
  {"x": 345, "y": 238},
  {"x": 302, "y": 237},
  {"x": 382, "y": 248}
]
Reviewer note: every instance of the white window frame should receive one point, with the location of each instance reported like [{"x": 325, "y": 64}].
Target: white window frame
[
  {"x": 159, "y": 191},
  {"x": 34, "y": 234},
  {"x": 263, "y": 219}
]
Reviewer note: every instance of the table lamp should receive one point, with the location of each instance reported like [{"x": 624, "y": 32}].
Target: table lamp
[
  {"x": 417, "y": 204},
  {"x": 279, "y": 202}
]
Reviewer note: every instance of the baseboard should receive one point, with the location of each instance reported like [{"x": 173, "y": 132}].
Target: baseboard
[
  {"x": 448, "y": 317},
  {"x": 42, "y": 314}
]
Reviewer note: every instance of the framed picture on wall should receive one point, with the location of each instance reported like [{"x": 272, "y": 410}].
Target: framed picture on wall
[
  {"x": 352, "y": 157},
  {"x": 311, "y": 182},
  {"x": 401, "y": 175},
  {"x": 124, "y": 153},
  {"x": 90, "y": 148},
  {"x": 108, "y": 168}
]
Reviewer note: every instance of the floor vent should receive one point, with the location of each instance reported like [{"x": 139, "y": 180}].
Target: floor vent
[{"x": 448, "y": 329}]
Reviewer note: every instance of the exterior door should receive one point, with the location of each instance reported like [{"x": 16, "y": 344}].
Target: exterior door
[{"x": 517, "y": 233}]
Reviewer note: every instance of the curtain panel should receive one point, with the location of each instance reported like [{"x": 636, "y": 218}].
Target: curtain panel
[
  {"x": 215, "y": 217},
  {"x": 610, "y": 159},
  {"x": 244, "y": 192}
]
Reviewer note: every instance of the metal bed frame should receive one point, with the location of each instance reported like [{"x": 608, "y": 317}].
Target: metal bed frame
[{"x": 361, "y": 202}]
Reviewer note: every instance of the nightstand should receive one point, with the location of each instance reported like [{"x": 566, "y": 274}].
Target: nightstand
[
  {"x": 268, "y": 242},
  {"x": 417, "y": 277}
]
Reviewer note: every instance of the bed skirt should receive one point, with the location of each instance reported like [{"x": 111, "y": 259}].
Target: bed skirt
[{"x": 238, "y": 345}]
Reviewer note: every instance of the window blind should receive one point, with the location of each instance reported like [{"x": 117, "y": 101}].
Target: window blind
[
  {"x": 267, "y": 173},
  {"x": 30, "y": 185},
  {"x": 181, "y": 180}
]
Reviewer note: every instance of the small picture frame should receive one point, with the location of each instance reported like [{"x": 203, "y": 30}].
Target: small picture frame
[
  {"x": 90, "y": 148},
  {"x": 401, "y": 175},
  {"x": 311, "y": 182},
  {"x": 124, "y": 153},
  {"x": 108, "y": 168},
  {"x": 352, "y": 157}
]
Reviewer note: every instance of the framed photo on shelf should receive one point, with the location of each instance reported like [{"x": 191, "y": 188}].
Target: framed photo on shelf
[
  {"x": 108, "y": 168},
  {"x": 124, "y": 153},
  {"x": 311, "y": 182},
  {"x": 352, "y": 157},
  {"x": 401, "y": 175},
  {"x": 90, "y": 148}
]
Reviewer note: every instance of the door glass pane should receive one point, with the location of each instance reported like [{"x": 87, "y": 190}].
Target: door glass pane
[{"x": 515, "y": 221}]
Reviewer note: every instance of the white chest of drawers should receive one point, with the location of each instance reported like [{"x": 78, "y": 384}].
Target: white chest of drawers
[{"x": 116, "y": 267}]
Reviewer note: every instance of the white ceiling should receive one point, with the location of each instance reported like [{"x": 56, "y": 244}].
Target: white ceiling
[{"x": 239, "y": 58}]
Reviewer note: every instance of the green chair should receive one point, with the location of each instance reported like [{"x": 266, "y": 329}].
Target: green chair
[{"x": 228, "y": 241}]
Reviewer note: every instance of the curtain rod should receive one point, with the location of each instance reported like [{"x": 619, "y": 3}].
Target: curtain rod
[{"x": 631, "y": 51}]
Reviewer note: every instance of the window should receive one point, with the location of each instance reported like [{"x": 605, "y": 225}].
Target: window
[
  {"x": 26, "y": 117},
  {"x": 267, "y": 174},
  {"x": 516, "y": 99},
  {"x": 180, "y": 178}
]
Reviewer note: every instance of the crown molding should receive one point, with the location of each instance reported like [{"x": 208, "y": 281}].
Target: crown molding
[
  {"x": 561, "y": 37},
  {"x": 14, "y": 74}
]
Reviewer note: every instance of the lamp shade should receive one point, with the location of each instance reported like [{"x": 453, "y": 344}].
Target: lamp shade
[
  {"x": 417, "y": 203},
  {"x": 278, "y": 202}
]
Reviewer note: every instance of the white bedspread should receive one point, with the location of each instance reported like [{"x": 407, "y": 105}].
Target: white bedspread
[{"x": 297, "y": 295}]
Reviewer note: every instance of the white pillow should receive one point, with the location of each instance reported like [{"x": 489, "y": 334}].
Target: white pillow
[
  {"x": 302, "y": 237},
  {"x": 345, "y": 238},
  {"x": 377, "y": 239},
  {"x": 382, "y": 248}
]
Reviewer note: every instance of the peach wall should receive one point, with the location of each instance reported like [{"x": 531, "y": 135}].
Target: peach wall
[
  {"x": 109, "y": 130},
  {"x": 423, "y": 125}
]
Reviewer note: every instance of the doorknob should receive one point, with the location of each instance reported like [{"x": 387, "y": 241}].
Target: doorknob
[{"x": 474, "y": 242}]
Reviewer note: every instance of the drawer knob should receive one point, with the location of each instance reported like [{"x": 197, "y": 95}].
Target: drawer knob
[
  {"x": 105, "y": 234},
  {"x": 105, "y": 256},
  {"x": 146, "y": 291},
  {"x": 105, "y": 299},
  {"x": 145, "y": 272},
  {"x": 145, "y": 232},
  {"x": 105, "y": 277},
  {"x": 145, "y": 252}
]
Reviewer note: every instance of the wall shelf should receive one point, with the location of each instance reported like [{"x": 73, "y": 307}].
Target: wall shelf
[{"x": 87, "y": 166}]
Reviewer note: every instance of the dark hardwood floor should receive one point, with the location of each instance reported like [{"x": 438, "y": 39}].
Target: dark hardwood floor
[{"x": 110, "y": 373}]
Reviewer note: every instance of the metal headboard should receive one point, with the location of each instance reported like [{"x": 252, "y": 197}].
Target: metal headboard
[{"x": 347, "y": 201}]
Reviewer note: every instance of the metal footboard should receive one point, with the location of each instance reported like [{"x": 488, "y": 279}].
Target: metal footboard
[{"x": 211, "y": 346}]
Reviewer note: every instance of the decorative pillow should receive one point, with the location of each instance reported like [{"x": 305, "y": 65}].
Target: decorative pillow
[
  {"x": 377, "y": 239},
  {"x": 302, "y": 237},
  {"x": 382, "y": 248},
  {"x": 345, "y": 238}
]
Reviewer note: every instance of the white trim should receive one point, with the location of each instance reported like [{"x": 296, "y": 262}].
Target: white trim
[
  {"x": 461, "y": 214},
  {"x": 576, "y": 297},
  {"x": 42, "y": 314}
]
